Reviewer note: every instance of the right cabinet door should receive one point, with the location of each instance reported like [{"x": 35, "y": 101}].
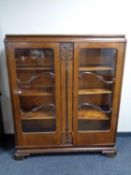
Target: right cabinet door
[{"x": 97, "y": 81}]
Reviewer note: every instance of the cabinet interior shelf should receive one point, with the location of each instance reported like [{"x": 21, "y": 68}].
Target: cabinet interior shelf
[
  {"x": 94, "y": 91},
  {"x": 33, "y": 68},
  {"x": 92, "y": 118},
  {"x": 35, "y": 93},
  {"x": 95, "y": 68},
  {"x": 38, "y": 116},
  {"x": 92, "y": 114}
]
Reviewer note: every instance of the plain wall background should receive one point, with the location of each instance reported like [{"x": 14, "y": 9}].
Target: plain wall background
[{"x": 66, "y": 17}]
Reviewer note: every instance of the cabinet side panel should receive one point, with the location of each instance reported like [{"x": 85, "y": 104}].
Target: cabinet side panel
[{"x": 13, "y": 88}]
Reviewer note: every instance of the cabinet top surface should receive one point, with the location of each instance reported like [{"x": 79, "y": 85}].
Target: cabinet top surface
[{"x": 64, "y": 38}]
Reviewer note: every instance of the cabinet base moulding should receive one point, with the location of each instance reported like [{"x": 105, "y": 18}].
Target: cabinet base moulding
[{"x": 23, "y": 153}]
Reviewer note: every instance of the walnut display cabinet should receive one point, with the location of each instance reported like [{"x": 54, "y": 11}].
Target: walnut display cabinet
[{"x": 65, "y": 92}]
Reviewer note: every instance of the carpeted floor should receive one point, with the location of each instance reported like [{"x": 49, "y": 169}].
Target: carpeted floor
[{"x": 71, "y": 164}]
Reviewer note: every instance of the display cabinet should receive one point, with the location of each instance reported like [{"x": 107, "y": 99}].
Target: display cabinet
[{"x": 65, "y": 92}]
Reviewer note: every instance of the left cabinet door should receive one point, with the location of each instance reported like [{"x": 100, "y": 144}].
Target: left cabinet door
[{"x": 34, "y": 74}]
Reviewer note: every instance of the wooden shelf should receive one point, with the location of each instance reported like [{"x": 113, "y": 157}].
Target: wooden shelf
[
  {"x": 33, "y": 68},
  {"x": 95, "y": 68},
  {"x": 35, "y": 93},
  {"x": 38, "y": 116},
  {"x": 39, "y": 86},
  {"x": 92, "y": 114},
  {"x": 94, "y": 91}
]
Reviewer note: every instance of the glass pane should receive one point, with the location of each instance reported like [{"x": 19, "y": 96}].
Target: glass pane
[
  {"x": 96, "y": 84},
  {"x": 39, "y": 125},
  {"x": 36, "y": 83}
]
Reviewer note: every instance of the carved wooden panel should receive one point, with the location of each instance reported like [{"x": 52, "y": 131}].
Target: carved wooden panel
[
  {"x": 66, "y": 51},
  {"x": 66, "y": 55}
]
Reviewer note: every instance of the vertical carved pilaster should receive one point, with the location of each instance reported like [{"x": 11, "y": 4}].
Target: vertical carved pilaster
[{"x": 66, "y": 54}]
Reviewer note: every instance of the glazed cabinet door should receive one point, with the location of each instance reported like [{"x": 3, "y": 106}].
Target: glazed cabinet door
[
  {"x": 34, "y": 71},
  {"x": 97, "y": 81}
]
